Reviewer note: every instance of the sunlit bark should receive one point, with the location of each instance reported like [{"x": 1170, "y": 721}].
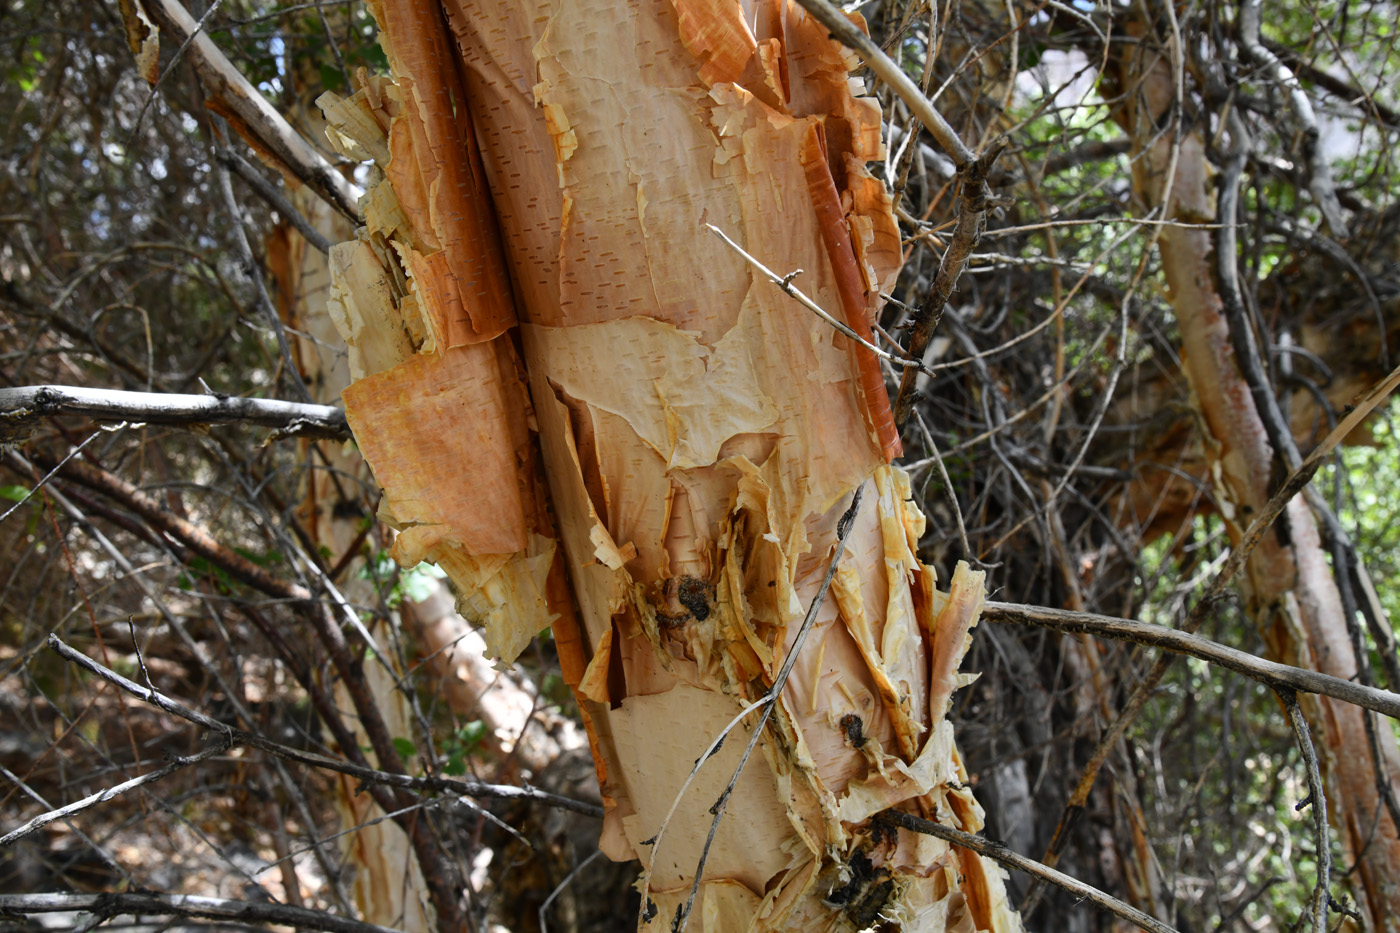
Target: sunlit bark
[{"x": 603, "y": 421}]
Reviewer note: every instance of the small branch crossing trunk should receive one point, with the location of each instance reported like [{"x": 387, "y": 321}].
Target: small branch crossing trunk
[{"x": 594, "y": 416}]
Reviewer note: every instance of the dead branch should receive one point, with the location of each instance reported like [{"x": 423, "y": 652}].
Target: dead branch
[
  {"x": 1271, "y": 673},
  {"x": 257, "y": 121},
  {"x": 24, "y": 407},
  {"x": 107, "y": 906}
]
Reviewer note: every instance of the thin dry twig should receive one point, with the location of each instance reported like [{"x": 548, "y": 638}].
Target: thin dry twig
[
  {"x": 1275, "y": 675},
  {"x": 1317, "y": 798},
  {"x": 784, "y": 282},
  {"x": 998, "y": 851},
  {"x": 232, "y": 736}
]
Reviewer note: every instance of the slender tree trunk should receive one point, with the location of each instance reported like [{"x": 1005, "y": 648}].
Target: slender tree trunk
[
  {"x": 388, "y": 885},
  {"x": 1288, "y": 588},
  {"x": 602, "y": 419}
]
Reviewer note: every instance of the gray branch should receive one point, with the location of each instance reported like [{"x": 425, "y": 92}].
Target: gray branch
[
  {"x": 183, "y": 905},
  {"x": 22, "y": 408},
  {"x": 1271, "y": 673}
]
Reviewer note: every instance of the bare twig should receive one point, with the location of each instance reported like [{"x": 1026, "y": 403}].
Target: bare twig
[
  {"x": 253, "y": 271},
  {"x": 1318, "y": 799},
  {"x": 232, "y": 736},
  {"x": 784, "y": 282},
  {"x": 559, "y": 888},
  {"x": 92, "y": 800},
  {"x": 999, "y": 852},
  {"x": 972, "y": 212},
  {"x": 1278, "y": 676},
  {"x": 947, "y": 485},
  {"x": 49, "y": 475}
]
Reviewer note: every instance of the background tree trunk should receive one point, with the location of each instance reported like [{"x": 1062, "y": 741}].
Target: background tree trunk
[{"x": 1288, "y": 587}]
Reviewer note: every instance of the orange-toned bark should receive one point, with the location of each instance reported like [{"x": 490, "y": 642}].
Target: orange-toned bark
[{"x": 699, "y": 433}]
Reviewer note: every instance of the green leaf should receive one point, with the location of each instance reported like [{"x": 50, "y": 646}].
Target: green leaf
[
  {"x": 375, "y": 57},
  {"x": 331, "y": 78},
  {"x": 405, "y": 748},
  {"x": 470, "y": 735},
  {"x": 14, "y": 493},
  {"x": 267, "y": 559}
]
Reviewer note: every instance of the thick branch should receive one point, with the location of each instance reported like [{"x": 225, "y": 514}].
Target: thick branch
[
  {"x": 257, "y": 121},
  {"x": 25, "y": 406},
  {"x": 183, "y": 905}
]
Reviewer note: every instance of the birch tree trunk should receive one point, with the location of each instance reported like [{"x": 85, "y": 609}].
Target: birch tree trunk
[
  {"x": 1288, "y": 586},
  {"x": 602, "y": 420}
]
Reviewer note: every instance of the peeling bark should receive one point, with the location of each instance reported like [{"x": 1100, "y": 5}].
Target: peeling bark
[{"x": 602, "y": 421}]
